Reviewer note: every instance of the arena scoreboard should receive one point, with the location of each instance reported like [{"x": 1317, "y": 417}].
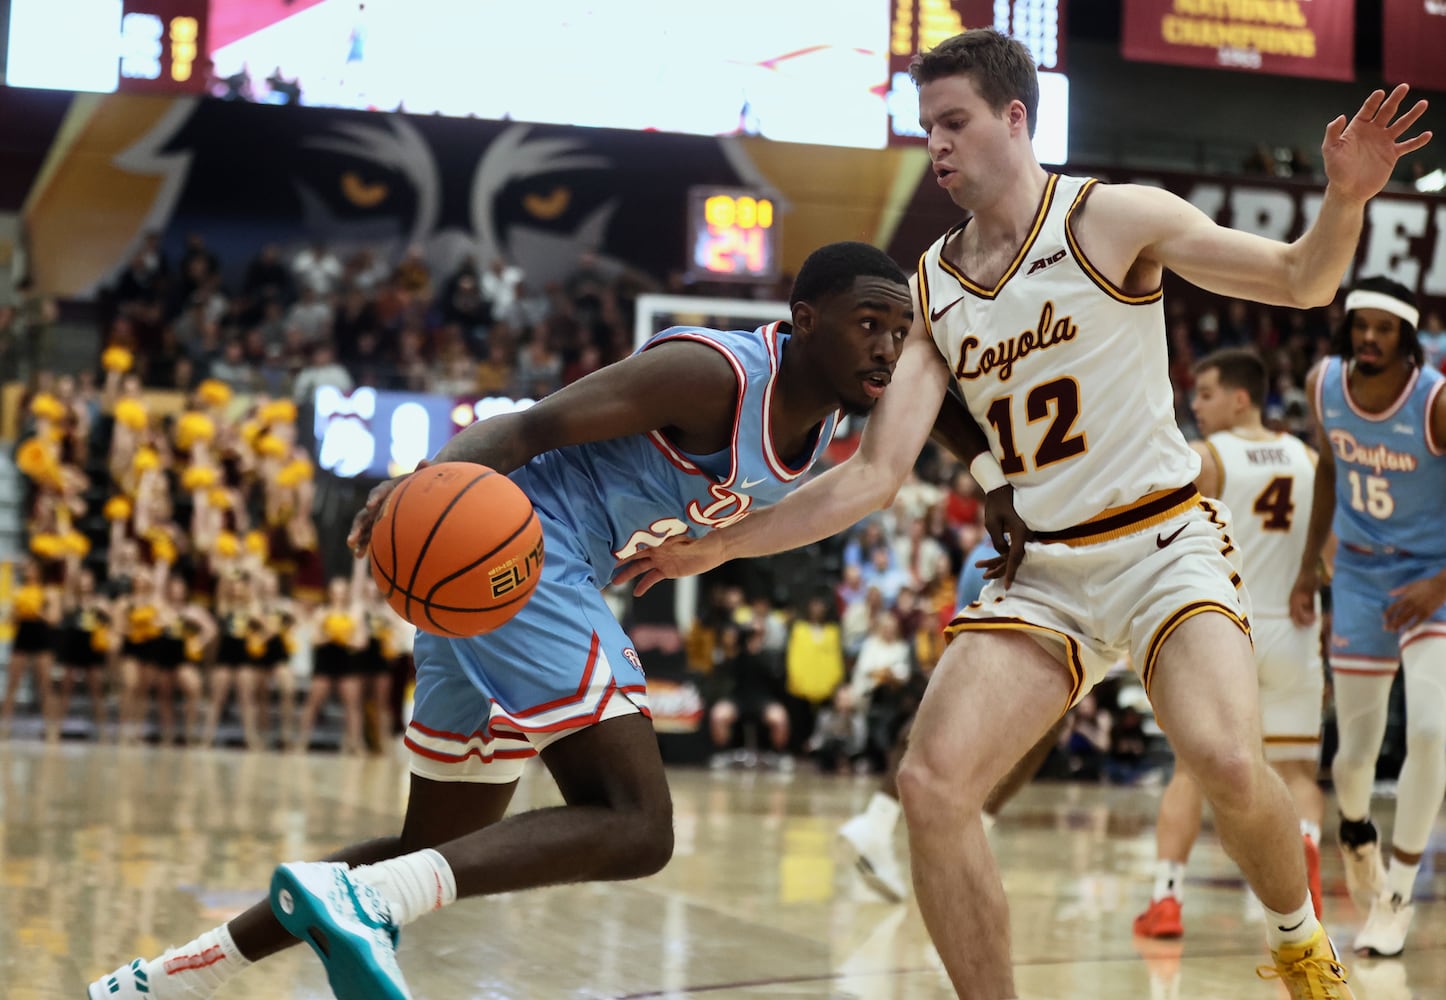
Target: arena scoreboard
[{"x": 733, "y": 234}]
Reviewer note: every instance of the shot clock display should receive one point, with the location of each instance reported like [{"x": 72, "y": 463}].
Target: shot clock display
[{"x": 732, "y": 234}]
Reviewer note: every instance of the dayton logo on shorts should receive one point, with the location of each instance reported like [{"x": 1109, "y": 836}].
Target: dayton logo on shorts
[
  {"x": 515, "y": 572},
  {"x": 631, "y": 655}
]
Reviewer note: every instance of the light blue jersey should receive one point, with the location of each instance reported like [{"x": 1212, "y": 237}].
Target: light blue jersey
[
  {"x": 1390, "y": 474},
  {"x": 1390, "y": 496},
  {"x": 615, "y": 498},
  {"x": 485, "y": 703}
]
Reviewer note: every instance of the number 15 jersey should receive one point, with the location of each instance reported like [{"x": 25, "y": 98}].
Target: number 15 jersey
[
  {"x": 1390, "y": 470},
  {"x": 1066, "y": 373}
]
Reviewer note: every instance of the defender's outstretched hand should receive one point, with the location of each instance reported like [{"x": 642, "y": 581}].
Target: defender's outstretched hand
[
  {"x": 675, "y": 558},
  {"x": 361, "y": 525},
  {"x": 1360, "y": 155}
]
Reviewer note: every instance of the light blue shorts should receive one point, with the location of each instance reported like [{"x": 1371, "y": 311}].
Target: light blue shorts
[
  {"x": 484, "y": 705},
  {"x": 1360, "y": 593}
]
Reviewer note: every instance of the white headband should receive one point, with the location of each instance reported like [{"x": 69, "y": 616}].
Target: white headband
[{"x": 1387, "y": 303}]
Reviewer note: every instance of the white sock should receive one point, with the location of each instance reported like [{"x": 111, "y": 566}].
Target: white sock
[
  {"x": 1296, "y": 927},
  {"x": 1169, "y": 880},
  {"x": 1311, "y": 830},
  {"x": 413, "y": 884},
  {"x": 197, "y": 969},
  {"x": 1400, "y": 878},
  {"x": 988, "y": 821},
  {"x": 883, "y": 814}
]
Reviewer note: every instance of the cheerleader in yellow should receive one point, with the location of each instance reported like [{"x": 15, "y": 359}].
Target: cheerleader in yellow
[
  {"x": 138, "y": 616},
  {"x": 277, "y": 678},
  {"x": 172, "y": 669},
  {"x": 386, "y": 662},
  {"x": 85, "y": 643},
  {"x": 339, "y": 635},
  {"x": 239, "y": 652},
  {"x": 35, "y": 611}
]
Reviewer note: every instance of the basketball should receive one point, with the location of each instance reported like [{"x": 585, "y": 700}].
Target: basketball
[{"x": 457, "y": 549}]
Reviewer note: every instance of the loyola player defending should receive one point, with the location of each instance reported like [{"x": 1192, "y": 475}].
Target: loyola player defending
[
  {"x": 1064, "y": 365},
  {"x": 1266, "y": 478},
  {"x": 1380, "y": 419}
]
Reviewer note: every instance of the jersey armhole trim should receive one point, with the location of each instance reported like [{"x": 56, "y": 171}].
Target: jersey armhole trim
[{"x": 1091, "y": 272}]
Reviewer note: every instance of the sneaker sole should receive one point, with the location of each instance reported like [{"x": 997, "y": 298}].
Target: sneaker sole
[{"x": 351, "y": 965}]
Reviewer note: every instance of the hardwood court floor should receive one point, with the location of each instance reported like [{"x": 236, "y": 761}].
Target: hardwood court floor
[{"x": 106, "y": 854}]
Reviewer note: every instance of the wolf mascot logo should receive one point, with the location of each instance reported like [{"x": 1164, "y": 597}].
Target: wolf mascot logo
[{"x": 538, "y": 195}]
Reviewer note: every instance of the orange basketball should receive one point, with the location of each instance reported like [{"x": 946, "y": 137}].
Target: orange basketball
[{"x": 457, "y": 549}]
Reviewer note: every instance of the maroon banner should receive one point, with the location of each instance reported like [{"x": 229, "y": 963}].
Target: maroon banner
[
  {"x": 1414, "y": 43},
  {"x": 1287, "y": 37}
]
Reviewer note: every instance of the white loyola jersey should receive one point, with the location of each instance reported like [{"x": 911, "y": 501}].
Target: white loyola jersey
[
  {"x": 1269, "y": 487},
  {"x": 1067, "y": 374}
]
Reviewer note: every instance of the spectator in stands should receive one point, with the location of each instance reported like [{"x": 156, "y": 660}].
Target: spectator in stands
[
  {"x": 495, "y": 372},
  {"x": 323, "y": 369},
  {"x": 267, "y": 278},
  {"x": 749, "y": 693},
  {"x": 501, "y": 285},
  {"x": 413, "y": 372},
  {"x": 316, "y": 268},
  {"x": 814, "y": 664},
  {"x": 880, "y": 671},
  {"x": 538, "y": 370},
  {"x": 963, "y": 505},
  {"x": 198, "y": 265},
  {"x": 1432, "y": 335},
  {"x": 312, "y": 315},
  {"x": 921, "y": 558},
  {"x": 884, "y": 574},
  {"x": 366, "y": 272},
  {"x": 413, "y": 276},
  {"x": 233, "y": 368},
  {"x": 859, "y": 549},
  {"x": 589, "y": 359}
]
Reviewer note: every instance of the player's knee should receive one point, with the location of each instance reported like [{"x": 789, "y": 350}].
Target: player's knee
[
  {"x": 931, "y": 793},
  {"x": 650, "y": 847},
  {"x": 1229, "y": 776},
  {"x": 1425, "y": 734}
]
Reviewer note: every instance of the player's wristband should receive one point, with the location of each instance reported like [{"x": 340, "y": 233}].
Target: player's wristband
[{"x": 987, "y": 472}]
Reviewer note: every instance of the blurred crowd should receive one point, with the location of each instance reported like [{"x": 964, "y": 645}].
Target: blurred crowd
[{"x": 171, "y": 494}]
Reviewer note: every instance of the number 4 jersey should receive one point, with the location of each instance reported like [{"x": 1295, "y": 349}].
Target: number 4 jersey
[
  {"x": 1268, "y": 485},
  {"x": 1066, "y": 373},
  {"x": 1390, "y": 471}
]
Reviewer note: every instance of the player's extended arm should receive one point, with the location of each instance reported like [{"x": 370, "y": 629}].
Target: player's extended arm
[
  {"x": 1359, "y": 157},
  {"x": 1208, "y": 482},
  {"x": 682, "y": 384},
  {"x": 1322, "y": 513},
  {"x": 865, "y": 482}
]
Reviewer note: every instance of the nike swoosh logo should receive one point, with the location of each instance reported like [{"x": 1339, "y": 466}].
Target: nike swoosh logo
[
  {"x": 1287, "y": 930},
  {"x": 936, "y": 314},
  {"x": 1162, "y": 542},
  {"x": 748, "y": 484}
]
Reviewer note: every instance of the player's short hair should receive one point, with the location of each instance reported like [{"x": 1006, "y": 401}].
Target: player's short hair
[
  {"x": 833, "y": 267},
  {"x": 1239, "y": 368},
  {"x": 1410, "y": 343},
  {"x": 1001, "y": 67}
]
